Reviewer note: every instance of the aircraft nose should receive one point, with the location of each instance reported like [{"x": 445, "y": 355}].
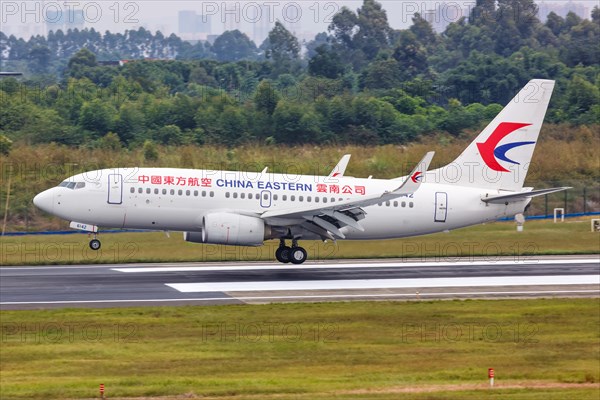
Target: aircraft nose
[{"x": 45, "y": 201}]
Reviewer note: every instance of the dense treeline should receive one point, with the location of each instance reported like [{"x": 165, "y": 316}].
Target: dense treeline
[{"x": 361, "y": 82}]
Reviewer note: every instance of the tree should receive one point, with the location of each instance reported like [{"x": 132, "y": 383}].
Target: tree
[
  {"x": 83, "y": 58},
  {"x": 266, "y": 98},
  {"x": 295, "y": 123},
  {"x": 283, "y": 48},
  {"x": 343, "y": 27},
  {"x": 234, "y": 46},
  {"x": 322, "y": 39},
  {"x": 373, "y": 29},
  {"x": 5, "y": 145},
  {"x": 97, "y": 117},
  {"x": 326, "y": 62},
  {"x": 423, "y": 30},
  {"x": 39, "y": 57},
  {"x": 381, "y": 74},
  {"x": 411, "y": 55}
]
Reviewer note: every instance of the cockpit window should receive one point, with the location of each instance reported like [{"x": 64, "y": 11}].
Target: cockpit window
[{"x": 72, "y": 185}]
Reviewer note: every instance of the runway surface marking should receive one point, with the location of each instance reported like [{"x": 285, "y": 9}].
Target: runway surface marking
[
  {"x": 353, "y": 265},
  {"x": 317, "y": 296},
  {"x": 385, "y": 283}
]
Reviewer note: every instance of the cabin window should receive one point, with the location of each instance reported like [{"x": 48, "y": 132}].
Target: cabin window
[
  {"x": 155, "y": 191},
  {"x": 187, "y": 192},
  {"x": 212, "y": 194},
  {"x": 275, "y": 197},
  {"x": 250, "y": 196},
  {"x": 172, "y": 192},
  {"x": 324, "y": 199},
  {"x": 195, "y": 193},
  {"x": 164, "y": 191},
  {"x": 235, "y": 195},
  {"x": 395, "y": 204},
  {"x": 411, "y": 204},
  {"x": 387, "y": 203},
  {"x": 308, "y": 199},
  {"x": 316, "y": 199},
  {"x": 204, "y": 193},
  {"x": 242, "y": 195},
  {"x": 293, "y": 198},
  {"x": 180, "y": 192},
  {"x": 266, "y": 196},
  {"x": 148, "y": 190},
  {"x": 132, "y": 190},
  {"x": 300, "y": 198},
  {"x": 333, "y": 199},
  {"x": 227, "y": 195},
  {"x": 284, "y": 197},
  {"x": 403, "y": 204}
]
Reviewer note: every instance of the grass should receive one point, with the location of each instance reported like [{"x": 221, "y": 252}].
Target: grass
[
  {"x": 540, "y": 349},
  {"x": 490, "y": 240}
]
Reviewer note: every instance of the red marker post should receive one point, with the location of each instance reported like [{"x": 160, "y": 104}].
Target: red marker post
[
  {"x": 491, "y": 376},
  {"x": 102, "y": 390}
]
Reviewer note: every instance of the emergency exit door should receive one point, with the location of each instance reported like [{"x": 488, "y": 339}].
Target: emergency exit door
[
  {"x": 441, "y": 206},
  {"x": 115, "y": 189}
]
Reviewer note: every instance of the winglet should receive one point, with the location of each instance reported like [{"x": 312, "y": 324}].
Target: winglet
[
  {"x": 415, "y": 178},
  {"x": 339, "y": 170}
]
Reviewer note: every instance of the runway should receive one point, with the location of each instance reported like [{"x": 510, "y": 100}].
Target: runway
[{"x": 120, "y": 285}]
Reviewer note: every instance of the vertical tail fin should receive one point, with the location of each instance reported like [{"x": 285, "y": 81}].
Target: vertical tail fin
[{"x": 500, "y": 155}]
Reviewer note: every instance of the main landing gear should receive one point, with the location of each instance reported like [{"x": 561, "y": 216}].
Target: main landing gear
[
  {"x": 95, "y": 243},
  {"x": 294, "y": 254}
]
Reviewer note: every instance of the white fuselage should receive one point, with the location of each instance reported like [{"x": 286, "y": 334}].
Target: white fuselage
[{"x": 178, "y": 199}]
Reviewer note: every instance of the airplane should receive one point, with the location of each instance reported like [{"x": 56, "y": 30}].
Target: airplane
[{"x": 243, "y": 208}]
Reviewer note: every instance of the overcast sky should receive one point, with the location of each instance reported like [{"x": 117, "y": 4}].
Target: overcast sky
[{"x": 308, "y": 16}]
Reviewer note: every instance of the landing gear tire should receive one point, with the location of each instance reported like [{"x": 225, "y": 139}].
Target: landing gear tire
[
  {"x": 297, "y": 255},
  {"x": 95, "y": 244},
  {"x": 282, "y": 254}
]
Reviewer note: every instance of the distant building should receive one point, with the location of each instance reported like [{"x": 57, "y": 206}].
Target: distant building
[
  {"x": 64, "y": 20},
  {"x": 562, "y": 9},
  {"x": 194, "y": 26},
  {"x": 261, "y": 20}
]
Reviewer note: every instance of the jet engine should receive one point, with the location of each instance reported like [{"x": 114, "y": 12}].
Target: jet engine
[{"x": 231, "y": 229}]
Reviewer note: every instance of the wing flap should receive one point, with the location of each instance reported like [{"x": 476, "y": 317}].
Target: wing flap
[{"x": 334, "y": 216}]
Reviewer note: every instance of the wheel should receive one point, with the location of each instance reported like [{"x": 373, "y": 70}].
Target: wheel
[
  {"x": 95, "y": 244},
  {"x": 282, "y": 254},
  {"x": 298, "y": 255}
]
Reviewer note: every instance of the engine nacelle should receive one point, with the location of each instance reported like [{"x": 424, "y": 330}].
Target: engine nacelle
[
  {"x": 231, "y": 229},
  {"x": 193, "y": 237}
]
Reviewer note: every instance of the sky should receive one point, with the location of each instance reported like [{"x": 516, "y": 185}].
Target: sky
[{"x": 305, "y": 17}]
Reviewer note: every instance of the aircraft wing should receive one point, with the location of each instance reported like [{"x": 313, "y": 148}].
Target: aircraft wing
[
  {"x": 327, "y": 219},
  {"x": 520, "y": 196},
  {"x": 339, "y": 170}
]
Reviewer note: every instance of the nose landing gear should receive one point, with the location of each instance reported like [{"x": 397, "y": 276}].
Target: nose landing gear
[{"x": 295, "y": 254}]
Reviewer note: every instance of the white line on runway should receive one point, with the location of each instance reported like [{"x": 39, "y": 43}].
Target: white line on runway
[
  {"x": 385, "y": 283},
  {"x": 298, "y": 297},
  {"x": 356, "y": 265}
]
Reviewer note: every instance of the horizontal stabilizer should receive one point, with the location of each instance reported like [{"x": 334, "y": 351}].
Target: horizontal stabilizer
[{"x": 521, "y": 195}]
